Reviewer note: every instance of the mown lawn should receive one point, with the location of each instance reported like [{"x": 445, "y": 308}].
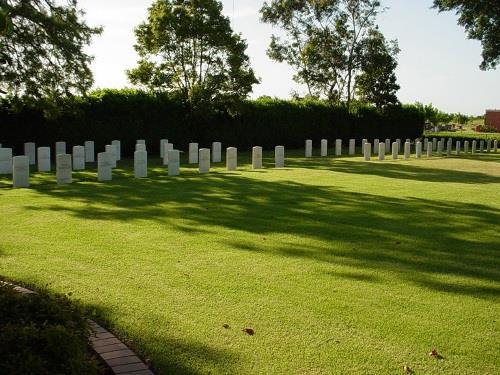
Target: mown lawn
[{"x": 339, "y": 265}]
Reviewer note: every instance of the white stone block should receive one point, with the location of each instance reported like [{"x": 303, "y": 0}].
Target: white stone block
[
  {"x": 338, "y": 147},
  {"x": 474, "y": 146},
  {"x": 324, "y": 147},
  {"x": 112, "y": 150},
  {"x": 193, "y": 153},
  {"x": 78, "y": 158},
  {"x": 30, "y": 152},
  {"x": 89, "y": 152},
  {"x": 43, "y": 156},
  {"x": 204, "y": 160},
  {"x": 387, "y": 145},
  {"x": 363, "y": 141},
  {"x": 457, "y": 147},
  {"x": 163, "y": 142},
  {"x": 418, "y": 150},
  {"x": 407, "y": 150},
  {"x": 279, "y": 156},
  {"x": 381, "y": 151},
  {"x": 488, "y": 145},
  {"x": 434, "y": 144},
  {"x": 367, "y": 151},
  {"x": 449, "y": 146},
  {"x": 398, "y": 141},
  {"x": 6, "y": 161},
  {"x": 481, "y": 146},
  {"x": 426, "y": 144},
  {"x": 257, "y": 157},
  {"x": 466, "y": 147},
  {"x": 495, "y": 145},
  {"x": 118, "y": 147},
  {"x": 174, "y": 161},
  {"x": 140, "y": 142},
  {"x": 309, "y": 148},
  {"x": 166, "y": 148},
  {"x": 20, "y": 171},
  {"x": 64, "y": 171},
  {"x": 231, "y": 158},
  {"x": 104, "y": 166},
  {"x": 216, "y": 152},
  {"x": 395, "y": 150},
  {"x": 429, "y": 151},
  {"x": 140, "y": 164},
  {"x": 352, "y": 147},
  {"x": 140, "y": 147},
  {"x": 60, "y": 148},
  {"x": 440, "y": 148},
  {"x": 375, "y": 145}
]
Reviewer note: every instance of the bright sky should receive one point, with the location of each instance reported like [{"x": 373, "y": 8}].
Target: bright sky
[{"x": 437, "y": 63}]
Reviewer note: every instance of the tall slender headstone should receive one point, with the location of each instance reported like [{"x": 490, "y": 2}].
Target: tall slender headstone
[
  {"x": 363, "y": 141},
  {"x": 426, "y": 144},
  {"x": 112, "y": 150},
  {"x": 279, "y": 156},
  {"x": 367, "y": 151},
  {"x": 193, "y": 153},
  {"x": 231, "y": 158},
  {"x": 140, "y": 147},
  {"x": 352, "y": 147},
  {"x": 140, "y": 142},
  {"x": 166, "y": 148},
  {"x": 163, "y": 142},
  {"x": 466, "y": 147},
  {"x": 140, "y": 164},
  {"x": 407, "y": 150},
  {"x": 324, "y": 147},
  {"x": 418, "y": 149},
  {"x": 174, "y": 161},
  {"x": 78, "y": 158},
  {"x": 43, "y": 156},
  {"x": 381, "y": 151},
  {"x": 216, "y": 152},
  {"x": 20, "y": 171},
  {"x": 375, "y": 145},
  {"x": 449, "y": 146},
  {"x": 309, "y": 148},
  {"x": 6, "y": 161},
  {"x": 387, "y": 145},
  {"x": 30, "y": 152},
  {"x": 457, "y": 147},
  {"x": 104, "y": 166},
  {"x": 64, "y": 171},
  {"x": 481, "y": 146},
  {"x": 474, "y": 146},
  {"x": 429, "y": 151},
  {"x": 398, "y": 141},
  {"x": 395, "y": 150},
  {"x": 488, "y": 145},
  {"x": 60, "y": 147},
  {"x": 89, "y": 152},
  {"x": 440, "y": 148},
  {"x": 338, "y": 147},
  {"x": 204, "y": 158},
  {"x": 118, "y": 146},
  {"x": 495, "y": 145},
  {"x": 257, "y": 157},
  {"x": 434, "y": 144}
]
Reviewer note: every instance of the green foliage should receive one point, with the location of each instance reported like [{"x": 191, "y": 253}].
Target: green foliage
[
  {"x": 187, "y": 48},
  {"x": 481, "y": 19},
  {"x": 459, "y": 136},
  {"x": 42, "y": 334},
  {"x": 43, "y": 56}
]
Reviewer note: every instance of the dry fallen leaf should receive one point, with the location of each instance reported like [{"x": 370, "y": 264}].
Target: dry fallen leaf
[
  {"x": 434, "y": 353},
  {"x": 225, "y": 325},
  {"x": 407, "y": 369},
  {"x": 250, "y": 331}
]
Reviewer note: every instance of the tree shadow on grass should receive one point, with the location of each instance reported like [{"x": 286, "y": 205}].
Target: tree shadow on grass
[{"x": 420, "y": 241}]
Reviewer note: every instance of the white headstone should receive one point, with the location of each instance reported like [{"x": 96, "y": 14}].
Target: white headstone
[
  {"x": 279, "y": 156},
  {"x": 398, "y": 141},
  {"x": 352, "y": 146},
  {"x": 43, "y": 159},
  {"x": 481, "y": 146},
  {"x": 20, "y": 171},
  {"x": 375, "y": 145},
  {"x": 418, "y": 150},
  {"x": 174, "y": 161},
  {"x": 387, "y": 145},
  {"x": 395, "y": 151},
  {"x": 257, "y": 157},
  {"x": 324, "y": 147},
  {"x": 429, "y": 151},
  {"x": 216, "y": 152},
  {"x": 118, "y": 146},
  {"x": 204, "y": 158},
  {"x": 231, "y": 158},
  {"x": 338, "y": 147},
  {"x": 140, "y": 164},
  {"x": 30, "y": 152},
  {"x": 64, "y": 171},
  {"x": 449, "y": 146},
  {"x": 309, "y": 148},
  {"x": 89, "y": 152},
  {"x": 112, "y": 150},
  {"x": 457, "y": 147},
  {"x": 495, "y": 145},
  {"x": 488, "y": 145},
  {"x": 466, "y": 147},
  {"x": 140, "y": 142},
  {"x": 60, "y": 148},
  {"x": 140, "y": 147},
  {"x": 193, "y": 153},
  {"x": 381, "y": 151},
  {"x": 440, "y": 148},
  {"x": 363, "y": 141},
  {"x": 407, "y": 150},
  {"x": 5, "y": 161},
  {"x": 104, "y": 166},
  {"x": 78, "y": 158},
  {"x": 474, "y": 146},
  {"x": 166, "y": 148},
  {"x": 367, "y": 151},
  {"x": 434, "y": 144},
  {"x": 426, "y": 144},
  {"x": 163, "y": 142}
]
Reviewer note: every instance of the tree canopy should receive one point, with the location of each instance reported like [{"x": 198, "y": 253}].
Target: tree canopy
[
  {"x": 189, "y": 49},
  {"x": 42, "y": 49},
  {"x": 481, "y": 19}
]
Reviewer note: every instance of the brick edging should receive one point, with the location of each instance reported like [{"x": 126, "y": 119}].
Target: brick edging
[{"x": 118, "y": 356}]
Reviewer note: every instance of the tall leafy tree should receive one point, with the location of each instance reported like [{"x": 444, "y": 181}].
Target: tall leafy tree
[
  {"x": 325, "y": 42},
  {"x": 187, "y": 47},
  {"x": 481, "y": 19},
  {"x": 42, "y": 49}
]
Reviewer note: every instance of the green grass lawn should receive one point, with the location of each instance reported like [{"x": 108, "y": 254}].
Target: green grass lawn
[{"x": 340, "y": 266}]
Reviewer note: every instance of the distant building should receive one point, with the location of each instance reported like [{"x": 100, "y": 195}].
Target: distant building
[{"x": 492, "y": 118}]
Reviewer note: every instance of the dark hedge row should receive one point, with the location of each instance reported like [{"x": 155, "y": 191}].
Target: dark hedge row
[{"x": 128, "y": 115}]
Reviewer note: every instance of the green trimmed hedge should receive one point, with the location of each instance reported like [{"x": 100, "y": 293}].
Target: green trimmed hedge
[
  {"x": 128, "y": 115},
  {"x": 457, "y": 136}
]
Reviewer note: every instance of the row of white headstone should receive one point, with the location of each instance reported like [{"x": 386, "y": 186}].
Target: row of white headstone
[{"x": 428, "y": 145}]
